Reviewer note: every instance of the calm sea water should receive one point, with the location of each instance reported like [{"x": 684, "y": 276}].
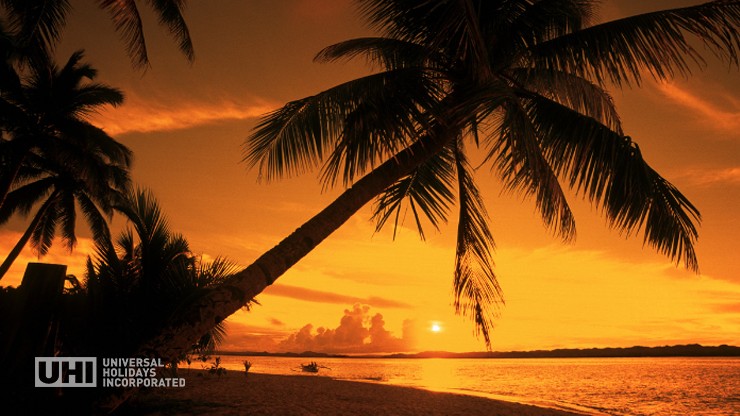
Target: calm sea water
[{"x": 612, "y": 386}]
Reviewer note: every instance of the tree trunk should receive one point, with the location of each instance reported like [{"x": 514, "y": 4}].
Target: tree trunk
[
  {"x": 25, "y": 237},
  {"x": 220, "y": 302}
]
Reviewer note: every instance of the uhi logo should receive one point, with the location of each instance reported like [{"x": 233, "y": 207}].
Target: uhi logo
[{"x": 65, "y": 372}]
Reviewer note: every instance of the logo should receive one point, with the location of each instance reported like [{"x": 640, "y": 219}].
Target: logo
[{"x": 65, "y": 371}]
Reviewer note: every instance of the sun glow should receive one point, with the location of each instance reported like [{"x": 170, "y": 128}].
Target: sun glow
[{"x": 435, "y": 327}]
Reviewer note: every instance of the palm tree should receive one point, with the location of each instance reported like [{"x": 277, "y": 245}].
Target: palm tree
[
  {"x": 75, "y": 176},
  {"x": 53, "y": 154},
  {"x": 37, "y": 26},
  {"x": 524, "y": 80},
  {"x": 48, "y": 110},
  {"x": 136, "y": 286}
]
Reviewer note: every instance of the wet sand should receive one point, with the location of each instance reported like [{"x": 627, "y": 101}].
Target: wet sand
[{"x": 263, "y": 394}]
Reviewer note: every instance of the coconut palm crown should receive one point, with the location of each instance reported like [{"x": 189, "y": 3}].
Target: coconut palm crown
[{"x": 526, "y": 82}]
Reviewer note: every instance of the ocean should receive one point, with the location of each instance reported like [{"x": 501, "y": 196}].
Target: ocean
[{"x": 599, "y": 386}]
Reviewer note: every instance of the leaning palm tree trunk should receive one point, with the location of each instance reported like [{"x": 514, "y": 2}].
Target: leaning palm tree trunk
[
  {"x": 16, "y": 251},
  {"x": 227, "y": 298},
  {"x": 222, "y": 301}
]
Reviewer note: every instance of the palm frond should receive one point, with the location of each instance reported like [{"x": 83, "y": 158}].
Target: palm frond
[
  {"x": 143, "y": 212},
  {"x": 126, "y": 245},
  {"x": 427, "y": 190},
  {"x": 523, "y": 167},
  {"x": 43, "y": 234},
  {"x": 67, "y": 219},
  {"x": 572, "y": 91},
  {"x": 83, "y": 137},
  {"x": 106, "y": 256},
  {"x": 215, "y": 272},
  {"x": 670, "y": 222},
  {"x": 296, "y": 137},
  {"x": 37, "y": 24},
  {"x": 98, "y": 223},
  {"x": 128, "y": 23},
  {"x": 609, "y": 169},
  {"x": 405, "y": 19},
  {"x": 23, "y": 199},
  {"x": 658, "y": 43},
  {"x": 380, "y": 125},
  {"x": 170, "y": 15},
  {"x": 448, "y": 25},
  {"x": 519, "y": 25},
  {"x": 386, "y": 53},
  {"x": 89, "y": 97},
  {"x": 73, "y": 72},
  {"x": 477, "y": 293}
]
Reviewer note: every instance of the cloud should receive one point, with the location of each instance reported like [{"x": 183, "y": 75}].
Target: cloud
[
  {"x": 243, "y": 337},
  {"x": 311, "y": 295},
  {"x": 139, "y": 115},
  {"x": 358, "y": 332},
  {"x": 725, "y": 118},
  {"x": 276, "y": 322},
  {"x": 726, "y": 308},
  {"x": 708, "y": 177}
]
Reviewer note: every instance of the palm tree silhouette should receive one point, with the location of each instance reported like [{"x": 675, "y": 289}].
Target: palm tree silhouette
[
  {"x": 524, "y": 80},
  {"x": 526, "y": 83},
  {"x": 37, "y": 26},
  {"x": 136, "y": 285},
  {"x": 49, "y": 108},
  {"x": 54, "y": 155}
]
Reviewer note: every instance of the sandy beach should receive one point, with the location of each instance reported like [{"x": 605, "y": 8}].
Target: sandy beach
[{"x": 262, "y": 394}]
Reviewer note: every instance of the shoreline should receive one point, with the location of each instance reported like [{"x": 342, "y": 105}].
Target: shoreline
[{"x": 235, "y": 393}]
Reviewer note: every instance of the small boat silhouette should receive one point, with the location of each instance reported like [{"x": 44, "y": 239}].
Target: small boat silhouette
[{"x": 311, "y": 367}]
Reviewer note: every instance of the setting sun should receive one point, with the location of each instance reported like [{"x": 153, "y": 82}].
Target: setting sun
[{"x": 436, "y": 328}]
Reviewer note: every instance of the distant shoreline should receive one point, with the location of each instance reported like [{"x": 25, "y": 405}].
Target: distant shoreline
[{"x": 690, "y": 350}]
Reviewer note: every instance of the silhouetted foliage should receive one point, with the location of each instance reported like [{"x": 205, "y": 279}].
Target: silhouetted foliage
[
  {"x": 131, "y": 289},
  {"x": 35, "y": 27},
  {"x": 54, "y": 160},
  {"x": 524, "y": 81}
]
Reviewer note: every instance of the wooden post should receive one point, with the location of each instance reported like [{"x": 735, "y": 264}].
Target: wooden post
[{"x": 31, "y": 330}]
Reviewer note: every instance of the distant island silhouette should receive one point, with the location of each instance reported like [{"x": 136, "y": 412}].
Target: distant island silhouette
[{"x": 689, "y": 350}]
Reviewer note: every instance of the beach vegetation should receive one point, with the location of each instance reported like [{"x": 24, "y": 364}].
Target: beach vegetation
[
  {"x": 216, "y": 368},
  {"x": 132, "y": 287},
  {"x": 135, "y": 286}
]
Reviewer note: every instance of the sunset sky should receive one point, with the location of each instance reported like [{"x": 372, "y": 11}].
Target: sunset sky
[{"x": 360, "y": 291}]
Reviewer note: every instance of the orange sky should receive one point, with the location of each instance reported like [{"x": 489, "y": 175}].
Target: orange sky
[{"x": 361, "y": 291}]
